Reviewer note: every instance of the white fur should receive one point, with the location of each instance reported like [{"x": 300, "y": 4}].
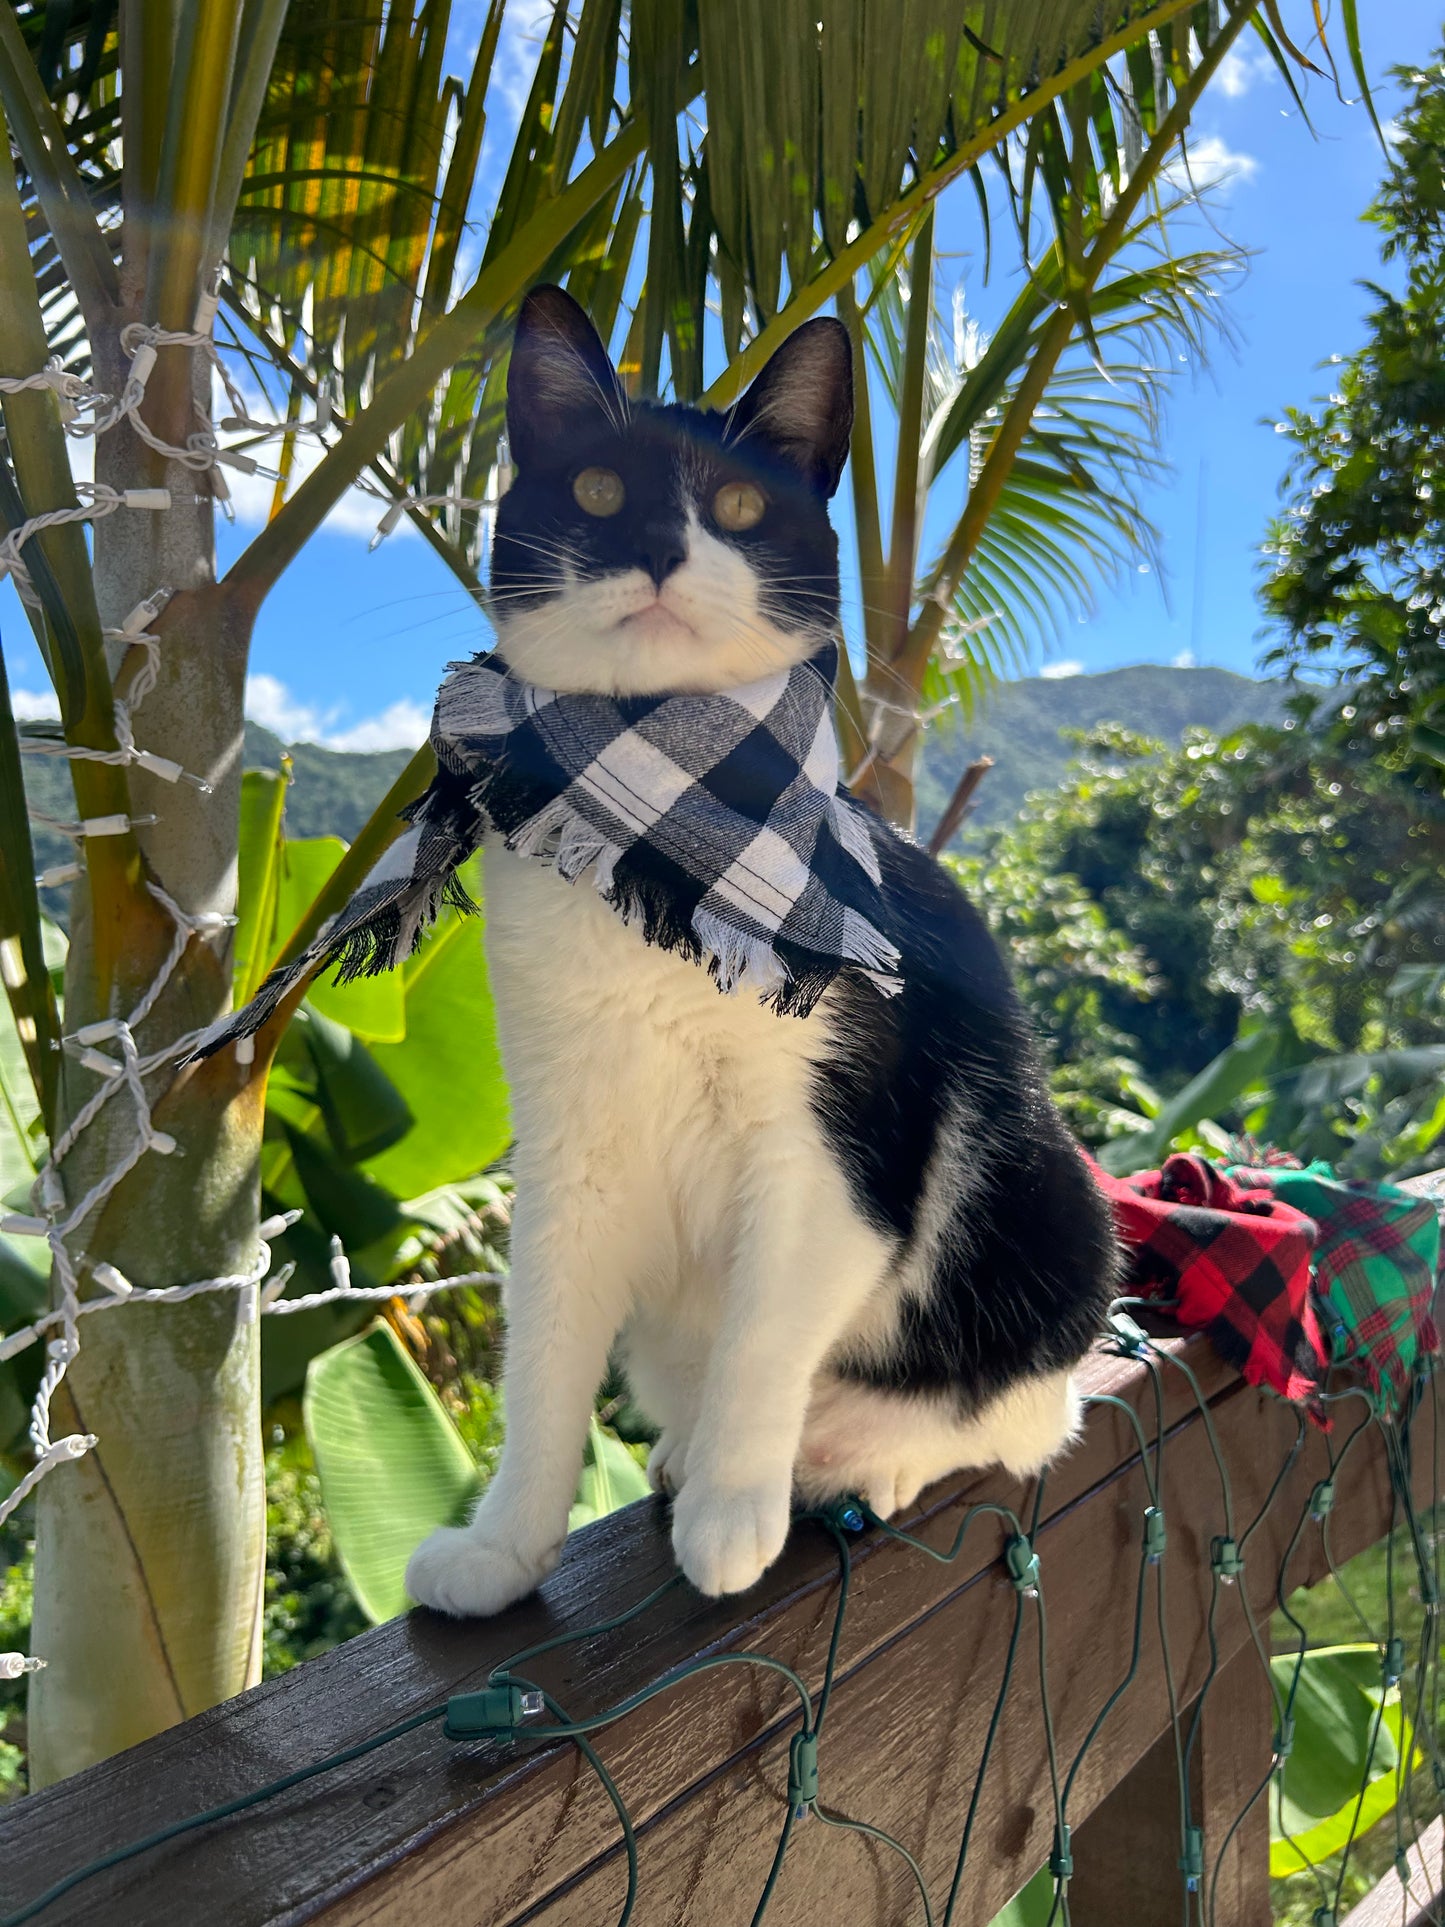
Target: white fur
[
  {"x": 675, "y": 1192},
  {"x": 703, "y": 630}
]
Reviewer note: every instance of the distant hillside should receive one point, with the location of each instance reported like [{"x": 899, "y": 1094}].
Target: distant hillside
[
  {"x": 1020, "y": 723},
  {"x": 333, "y": 792}
]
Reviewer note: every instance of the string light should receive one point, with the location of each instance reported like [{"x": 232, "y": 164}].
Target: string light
[
  {"x": 97, "y": 501},
  {"x": 108, "y": 1049}
]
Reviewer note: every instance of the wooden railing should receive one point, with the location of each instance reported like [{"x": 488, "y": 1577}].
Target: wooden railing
[{"x": 494, "y": 1835}]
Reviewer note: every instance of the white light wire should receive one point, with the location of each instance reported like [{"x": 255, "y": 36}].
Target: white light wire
[{"x": 124, "y": 1068}]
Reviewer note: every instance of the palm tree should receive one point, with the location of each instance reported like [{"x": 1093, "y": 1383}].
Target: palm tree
[
  {"x": 318, "y": 169},
  {"x": 1070, "y": 507}
]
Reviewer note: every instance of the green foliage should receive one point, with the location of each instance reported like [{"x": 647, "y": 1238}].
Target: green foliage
[
  {"x": 309, "y": 1606},
  {"x": 1031, "y": 1906},
  {"x": 1349, "y": 1732},
  {"x": 1161, "y": 905},
  {"x": 374, "y": 1117},
  {"x": 1357, "y": 582},
  {"x": 1355, "y": 1605},
  {"x": 1019, "y": 724},
  {"x": 394, "y": 1463},
  {"x": 15, "y": 1602},
  {"x": 613, "y": 1475},
  {"x": 375, "y": 1127},
  {"x": 1073, "y": 507},
  {"x": 1239, "y": 1068},
  {"x": 331, "y": 792}
]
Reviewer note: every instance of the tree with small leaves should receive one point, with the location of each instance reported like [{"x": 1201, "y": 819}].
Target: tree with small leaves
[{"x": 1356, "y": 564}]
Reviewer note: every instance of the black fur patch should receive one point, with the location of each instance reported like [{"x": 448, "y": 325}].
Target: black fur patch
[
  {"x": 566, "y": 412},
  {"x": 1021, "y": 1277},
  {"x": 1022, "y": 1272}
]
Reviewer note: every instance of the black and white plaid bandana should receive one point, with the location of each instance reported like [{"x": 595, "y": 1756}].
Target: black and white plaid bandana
[{"x": 713, "y": 823}]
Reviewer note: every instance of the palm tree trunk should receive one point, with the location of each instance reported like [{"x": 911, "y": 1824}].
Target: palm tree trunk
[{"x": 150, "y": 1551}]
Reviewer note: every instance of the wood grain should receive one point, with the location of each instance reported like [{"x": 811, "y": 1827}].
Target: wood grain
[
  {"x": 493, "y": 1836},
  {"x": 1392, "y": 1903}
]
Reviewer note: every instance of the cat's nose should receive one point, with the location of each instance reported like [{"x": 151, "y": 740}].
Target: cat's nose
[{"x": 662, "y": 551}]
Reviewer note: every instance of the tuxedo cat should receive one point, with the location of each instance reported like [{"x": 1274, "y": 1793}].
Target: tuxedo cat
[{"x": 846, "y": 1252}]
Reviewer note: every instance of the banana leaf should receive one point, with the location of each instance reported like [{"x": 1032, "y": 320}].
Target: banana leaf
[
  {"x": 1352, "y": 1741},
  {"x": 393, "y": 1465}
]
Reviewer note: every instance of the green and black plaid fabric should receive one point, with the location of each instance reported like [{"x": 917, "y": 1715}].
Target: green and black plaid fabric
[{"x": 1375, "y": 1264}]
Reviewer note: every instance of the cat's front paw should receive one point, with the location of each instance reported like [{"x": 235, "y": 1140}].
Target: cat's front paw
[
  {"x": 724, "y": 1539},
  {"x": 473, "y": 1574},
  {"x": 667, "y": 1463}
]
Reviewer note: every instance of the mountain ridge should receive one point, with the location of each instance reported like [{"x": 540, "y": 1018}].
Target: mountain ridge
[
  {"x": 1018, "y": 725},
  {"x": 333, "y": 792}
]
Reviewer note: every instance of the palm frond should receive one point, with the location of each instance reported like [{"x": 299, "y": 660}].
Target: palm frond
[
  {"x": 749, "y": 199},
  {"x": 1073, "y": 510},
  {"x": 781, "y": 137}
]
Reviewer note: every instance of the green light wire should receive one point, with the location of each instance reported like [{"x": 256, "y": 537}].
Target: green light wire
[
  {"x": 529, "y": 1653},
  {"x": 1274, "y": 1778},
  {"x": 877, "y": 1833},
  {"x": 1378, "y": 1720},
  {"x": 978, "y": 1778},
  {"x": 769, "y": 1886},
  {"x": 1398, "y": 1446},
  {"x": 224, "y": 1811},
  {"x": 1125, "y": 1683},
  {"x": 1182, "y": 1364},
  {"x": 609, "y": 1787},
  {"x": 986, "y": 1506},
  {"x": 1337, "y": 1465},
  {"x": 839, "y": 1820},
  {"x": 1427, "y": 1557},
  {"x": 677, "y": 1677},
  {"x": 1291, "y": 1459},
  {"x": 1339, "y": 1578},
  {"x": 1156, "y": 1384},
  {"x": 1234, "y": 1826},
  {"x": 845, "y": 1580},
  {"x": 1151, "y": 1476}
]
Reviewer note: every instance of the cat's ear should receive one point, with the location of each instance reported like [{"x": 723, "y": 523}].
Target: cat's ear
[
  {"x": 801, "y": 405},
  {"x": 559, "y": 376}
]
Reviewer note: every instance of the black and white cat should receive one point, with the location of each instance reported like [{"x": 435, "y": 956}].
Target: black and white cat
[{"x": 846, "y": 1252}]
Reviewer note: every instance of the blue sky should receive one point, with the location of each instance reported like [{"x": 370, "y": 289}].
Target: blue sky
[{"x": 350, "y": 647}]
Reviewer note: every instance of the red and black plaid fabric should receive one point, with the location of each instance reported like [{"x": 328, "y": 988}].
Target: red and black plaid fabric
[{"x": 1237, "y": 1262}]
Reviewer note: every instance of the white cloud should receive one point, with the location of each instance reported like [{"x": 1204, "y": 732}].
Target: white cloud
[
  {"x": 1240, "y": 69},
  {"x": 34, "y": 705},
  {"x": 270, "y": 703},
  {"x": 1057, "y": 671},
  {"x": 357, "y": 513},
  {"x": 401, "y": 725},
  {"x": 1184, "y": 660},
  {"x": 514, "y": 65},
  {"x": 1209, "y": 162}
]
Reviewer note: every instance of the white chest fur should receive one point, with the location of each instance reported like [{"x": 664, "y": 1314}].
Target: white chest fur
[
  {"x": 627, "y": 1062},
  {"x": 676, "y": 1198}
]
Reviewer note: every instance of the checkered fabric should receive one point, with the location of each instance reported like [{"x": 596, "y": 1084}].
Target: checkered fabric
[
  {"x": 1375, "y": 1266},
  {"x": 715, "y": 823},
  {"x": 1236, "y": 1261}
]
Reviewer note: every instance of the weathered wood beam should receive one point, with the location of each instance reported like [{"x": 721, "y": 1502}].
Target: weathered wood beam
[{"x": 494, "y": 1836}]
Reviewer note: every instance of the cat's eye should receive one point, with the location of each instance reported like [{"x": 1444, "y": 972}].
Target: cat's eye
[
  {"x": 599, "y": 491},
  {"x": 738, "y": 506}
]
